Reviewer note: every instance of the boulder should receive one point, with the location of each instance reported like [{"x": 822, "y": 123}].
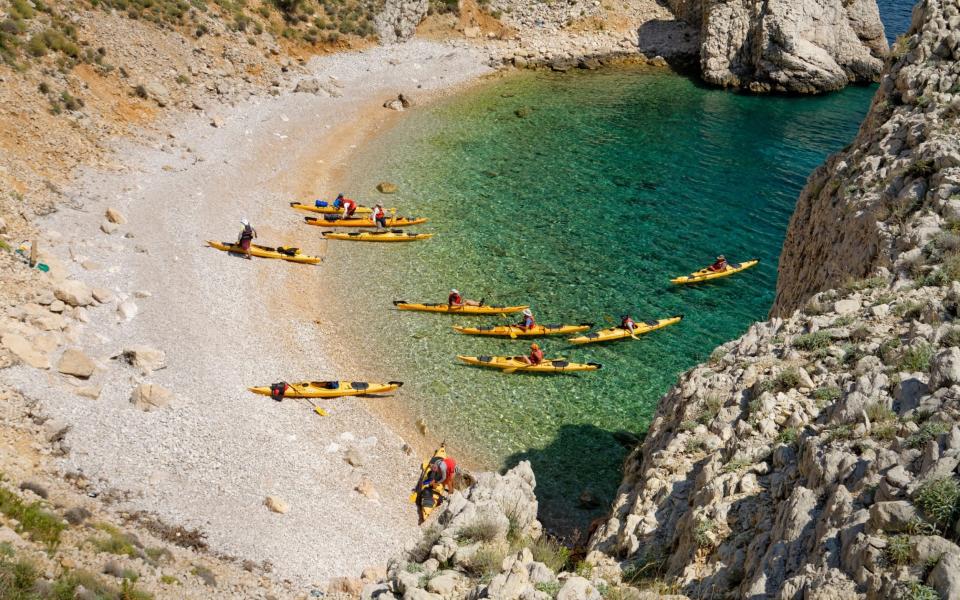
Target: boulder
[
  {"x": 349, "y": 586},
  {"x": 393, "y": 104},
  {"x": 102, "y": 295},
  {"x": 405, "y": 100},
  {"x": 397, "y": 20},
  {"x": 847, "y": 306},
  {"x": 115, "y": 216},
  {"x": 107, "y": 227},
  {"x": 892, "y": 517},
  {"x": 149, "y": 396},
  {"x": 354, "y": 457},
  {"x": 54, "y": 430},
  {"x": 945, "y": 577},
  {"x": 365, "y": 488},
  {"x": 385, "y": 187},
  {"x": 578, "y": 588},
  {"x": 24, "y": 351},
  {"x": 156, "y": 91},
  {"x": 145, "y": 358},
  {"x": 74, "y": 293},
  {"x": 127, "y": 310},
  {"x": 310, "y": 85},
  {"x": 444, "y": 585},
  {"x": 945, "y": 368},
  {"x": 276, "y": 504},
  {"x": 75, "y": 362}
]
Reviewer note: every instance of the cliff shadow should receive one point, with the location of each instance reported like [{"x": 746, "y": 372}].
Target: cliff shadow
[
  {"x": 675, "y": 41},
  {"x": 578, "y": 474}
]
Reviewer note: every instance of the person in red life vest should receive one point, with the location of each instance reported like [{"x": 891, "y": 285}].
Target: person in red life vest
[
  {"x": 455, "y": 300},
  {"x": 719, "y": 265},
  {"x": 442, "y": 471},
  {"x": 348, "y": 205},
  {"x": 379, "y": 217},
  {"x": 536, "y": 355},
  {"x": 528, "y": 321},
  {"x": 246, "y": 237},
  {"x": 626, "y": 322}
]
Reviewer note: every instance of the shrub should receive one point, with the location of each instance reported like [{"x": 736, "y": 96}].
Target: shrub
[
  {"x": 485, "y": 563},
  {"x": 140, "y": 91},
  {"x": 827, "y": 394},
  {"x": 785, "y": 380},
  {"x": 550, "y": 552},
  {"x": 879, "y": 413},
  {"x": 788, "y": 436},
  {"x": 711, "y": 408},
  {"x": 908, "y": 310},
  {"x": 916, "y": 358},
  {"x": 843, "y": 321},
  {"x": 482, "y": 529},
  {"x": 717, "y": 355},
  {"x": 703, "y": 533},
  {"x": 917, "y": 591},
  {"x": 116, "y": 542},
  {"x": 951, "y": 337},
  {"x": 864, "y": 284},
  {"x": 939, "y": 499},
  {"x": 43, "y": 526},
  {"x": 841, "y": 432},
  {"x": 921, "y": 168},
  {"x": 860, "y": 334},
  {"x": 812, "y": 341},
  {"x": 898, "y": 549},
  {"x": 736, "y": 465},
  {"x": 695, "y": 445}
]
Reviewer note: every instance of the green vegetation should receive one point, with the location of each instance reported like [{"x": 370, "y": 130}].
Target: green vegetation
[
  {"x": 788, "y": 436},
  {"x": 918, "y": 591},
  {"x": 735, "y": 465},
  {"x": 939, "y": 499},
  {"x": 864, "y": 284},
  {"x": 898, "y": 549},
  {"x": 921, "y": 168},
  {"x": 928, "y": 431},
  {"x": 116, "y": 542},
  {"x": 840, "y": 432},
  {"x": 482, "y": 529},
  {"x": 703, "y": 533},
  {"x": 908, "y": 310},
  {"x": 550, "y": 552},
  {"x": 711, "y": 408},
  {"x": 812, "y": 341},
  {"x": 828, "y": 394},
  {"x": 43, "y": 526},
  {"x": 785, "y": 380},
  {"x": 951, "y": 337},
  {"x": 21, "y": 580}
]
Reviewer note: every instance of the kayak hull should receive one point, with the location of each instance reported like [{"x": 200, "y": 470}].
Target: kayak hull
[
  {"x": 512, "y": 331},
  {"x": 707, "y": 274},
  {"x": 460, "y": 310},
  {"x": 329, "y": 210},
  {"x": 372, "y": 236},
  {"x": 616, "y": 333},
  {"x": 265, "y": 252},
  {"x": 391, "y": 222},
  {"x": 323, "y": 389},
  {"x": 428, "y": 497},
  {"x": 511, "y": 364}
]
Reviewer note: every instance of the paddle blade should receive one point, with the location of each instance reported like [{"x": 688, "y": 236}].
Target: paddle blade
[
  {"x": 413, "y": 497},
  {"x": 319, "y": 411}
]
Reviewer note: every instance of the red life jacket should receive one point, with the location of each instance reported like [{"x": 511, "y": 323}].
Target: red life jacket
[
  {"x": 378, "y": 213},
  {"x": 627, "y": 323},
  {"x": 536, "y": 356},
  {"x": 454, "y": 299},
  {"x": 526, "y": 319},
  {"x": 349, "y": 204},
  {"x": 451, "y": 471}
]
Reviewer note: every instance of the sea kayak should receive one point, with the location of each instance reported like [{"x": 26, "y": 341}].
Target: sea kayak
[
  {"x": 330, "y": 210},
  {"x": 377, "y": 236},
  {"x": 428, "y": 497},
  {"x": 330, "y": 389},
  {"x": 511, "y": 364},
  {"x": 619, "y": 333},
  {"x": 707, "y": 274},
  {"x": 460, "y": 310},
  {"x": 283, "y": 252},
  {"x": 517, "y": 331},
  {"x": 355, "y": 222}
]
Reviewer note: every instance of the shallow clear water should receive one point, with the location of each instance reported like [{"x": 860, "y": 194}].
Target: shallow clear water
[{"x": 612, "y": 183}]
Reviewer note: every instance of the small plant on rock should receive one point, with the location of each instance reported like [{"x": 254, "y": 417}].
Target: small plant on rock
[
  {"x": 812, "y": 341},
  {"x": 898, "y": 549},
  {"x": 788, "y": 436},
  {"x": 550, "y": 552},
  {"x": 928, "y": 431},
  {"x": 951, "y": 337},
  {"x": 703, "y": 533},
  {"x": 736, "y": 464},
  {"x": 828, "y": 394},
  {"x": 917, "y": 591},
  {"x": 482, "y": 529},
  {"x": 939, "y": 499},
  {"x": 916, "y": 358}
]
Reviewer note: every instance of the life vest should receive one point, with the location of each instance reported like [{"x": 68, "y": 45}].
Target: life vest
[
  {"x": 349, "y": 204},
  {"x": 277, "y": 390},
  {"x": 247, "y": 233},
  {"x": 451, "y": 471},
  {"x": 536, "y": 356},
  {"x": 528, "y": 322},
  {"x": 627, "y": 323},
  {"x": 378, "y": 213},
  {"x": 455, "y": 299}
]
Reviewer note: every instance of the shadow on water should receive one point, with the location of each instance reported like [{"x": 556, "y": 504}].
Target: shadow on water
[{"x": 577, "y": 476}]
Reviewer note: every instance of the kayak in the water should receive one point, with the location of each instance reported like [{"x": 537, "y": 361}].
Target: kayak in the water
[
  {"x": 361, "y": 222},
  {"x": 511, "y": 364},
  {"x": 708, "y": 274},
  {"x": 376, "y": 236},
  {"x": 329, "y": 209},
  {"x": 515, "y": 331},
  {"x": 619, "y": 333},
  {"x": 461, "y": 310},
  {"x": 282, "y": 253},
  {"x": 325, "y": 389}
]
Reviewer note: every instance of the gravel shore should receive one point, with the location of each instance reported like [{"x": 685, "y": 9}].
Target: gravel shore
[{"x": 210, "y": 459}]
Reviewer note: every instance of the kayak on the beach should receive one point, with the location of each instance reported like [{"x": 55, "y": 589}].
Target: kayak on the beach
[
  {"x": 324, "y": 389},
  {"x": 619, "y": 333},
  {"x": 427, "y": 497},
  {"x": 461, "y": 310},
  {"x": 514, "y": 331},
  {"x": 329, "y": 209},
  {"x": 708, "y": 274},
  {"x": 358, "y": 222},
  {"x": 282, "y": 253},
  {"x": 512, "y": 364},
  {"x": 376, "y": 236}
]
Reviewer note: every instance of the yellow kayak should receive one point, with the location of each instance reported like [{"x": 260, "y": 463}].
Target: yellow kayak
[
  {"x": 707, "y": 274},
  {"x": 283, "y": 253},
  {"x": 377, "y": 236},
  {"x": 460, "y": 310},
  {"x": 327, "y": 389},
  {"x": 355, "y": 222},
  {"x": 517, "y": 331},
  {"x": 510, "y": 364},
  {"x": 428, "y": 497},
  {"x": 330, "y": 210},
  {"x": 618, "y": 333}
]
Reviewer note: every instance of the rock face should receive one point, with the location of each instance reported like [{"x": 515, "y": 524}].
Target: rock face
[
  {"x": 811, "y": 457},
  {"x": 398, "y": 19},
  {"x": 884, "y": 200},
  {"x": 808, "y": 46}
]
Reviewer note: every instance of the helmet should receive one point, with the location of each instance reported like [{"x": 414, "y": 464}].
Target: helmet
[
  {"x": 454, "y": 291},
  {"x": 245, "y": 222},
  {"x": 528, "y": 312}
]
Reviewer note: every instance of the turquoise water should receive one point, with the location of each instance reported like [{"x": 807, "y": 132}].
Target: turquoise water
[{"x": 613, "y": 183}]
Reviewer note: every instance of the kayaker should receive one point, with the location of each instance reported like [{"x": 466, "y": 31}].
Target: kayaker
[
  {"x": 536, "y": 355},
  {"x": 528, "y": 321},
  {"x": 338, "y": 202},
  {"x": 246, "y": 237},
  {"x": 455, "y": 300},
  {"x": 379, "y": 216},
  {"x": 442, "y": 471},
  {"x": 719, "y": 265},
  {"x": 626, "y": 322},
  {"x": 349, "y": 206}
]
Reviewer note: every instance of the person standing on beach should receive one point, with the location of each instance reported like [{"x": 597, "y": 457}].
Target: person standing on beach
[
  {"x": 379, "y": 217},
  {"x": 349, "y": 206},
  {"x": 246, "y": 237}
]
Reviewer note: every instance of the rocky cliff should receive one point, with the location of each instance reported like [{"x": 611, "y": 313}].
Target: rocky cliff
[
  {"x": 784, "y": 46},
  {"x": 817, "y": 456},
  {"x": 397, "y": 20}
]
